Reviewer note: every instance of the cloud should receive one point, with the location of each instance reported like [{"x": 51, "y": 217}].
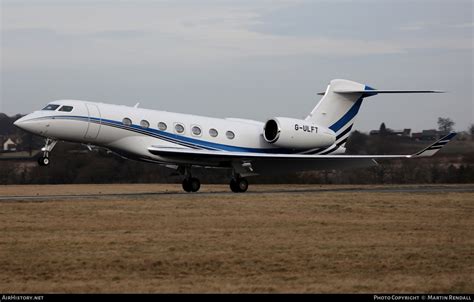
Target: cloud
[
  {"x": 434, "y": 26},
  {"x": 410, "y": 27},
  {"x": 166, "y": 33},
  {"x": 462, "y": 25},
  {"x": 119, "y": 34},
  {"x": 128, "y": 33},
  {"x": 236, "y": 55}
]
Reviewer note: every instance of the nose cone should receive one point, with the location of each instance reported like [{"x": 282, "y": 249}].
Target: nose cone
[
  {"x": 21, "y": 121},
  {"x": 32, "y": 124}
]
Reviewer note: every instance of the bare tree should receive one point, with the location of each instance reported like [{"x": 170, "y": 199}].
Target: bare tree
[
  {"x": 383, "y": 129},
  {"x": 471, "y": 131},
  {"x": 445, "y": 124}
]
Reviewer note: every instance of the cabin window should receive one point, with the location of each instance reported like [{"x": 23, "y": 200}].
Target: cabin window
[
  {"x": 66, "y": 108},
  {"x": 162, "y": 126},
  {"x": 230, "y": 134},
  {"x": 179, "y": 128},
  {"x": 213, "y": 132},
  {"x": 127, "y": 122},
  {"x": 196, "y": 130},
  {"x": 51, "y": 107},
  {"x": 144, "y": 124}
]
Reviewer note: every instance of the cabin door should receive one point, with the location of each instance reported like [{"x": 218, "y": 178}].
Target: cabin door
[{"x": 94, "y": 122}]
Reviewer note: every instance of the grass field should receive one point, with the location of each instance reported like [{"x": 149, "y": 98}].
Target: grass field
[{"x": 272, "y": 242}]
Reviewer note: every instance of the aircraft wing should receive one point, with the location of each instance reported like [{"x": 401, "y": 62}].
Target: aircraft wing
[{"x": 289, "y": 161}]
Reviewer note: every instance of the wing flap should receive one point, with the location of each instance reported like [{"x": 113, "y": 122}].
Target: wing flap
[{"x": 193, "y": 153}]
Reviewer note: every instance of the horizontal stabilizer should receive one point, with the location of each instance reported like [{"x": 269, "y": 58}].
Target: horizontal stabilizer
[
  {"x": 388, "y": 91},
  {"x": 374, "y": 92}
]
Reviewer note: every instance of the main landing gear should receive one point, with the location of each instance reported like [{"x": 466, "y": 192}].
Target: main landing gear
[
  {"x": 191, "y": 184},
  {"x": 48, "y": 147},
  {"x": 238, "y": 184}
]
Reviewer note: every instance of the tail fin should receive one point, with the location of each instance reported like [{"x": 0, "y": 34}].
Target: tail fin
[
  {"x": 340, "y": 104},
  {"x": 337, "y": 111}
]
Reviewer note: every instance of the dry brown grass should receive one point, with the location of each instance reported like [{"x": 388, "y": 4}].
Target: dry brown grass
[{"x": 298, "y": 242}]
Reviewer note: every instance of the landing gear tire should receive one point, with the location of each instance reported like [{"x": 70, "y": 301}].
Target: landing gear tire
[
  {"x": 233, "y": 186},
  {"x": 191, "y": 184},
  {"x": 239, "y": 185},
  {"x": 43, "y": 161},
  {"x": 195, "y": 184},
  {"x": 186, "y": 186}
]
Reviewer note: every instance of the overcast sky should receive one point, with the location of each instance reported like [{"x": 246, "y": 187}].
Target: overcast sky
[{"x": 251, "y": 59}]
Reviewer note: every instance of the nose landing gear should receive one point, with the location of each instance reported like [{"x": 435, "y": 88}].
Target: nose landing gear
[
  {"x": 43, "y": 161},
  {"x": 48, "y": 147}
]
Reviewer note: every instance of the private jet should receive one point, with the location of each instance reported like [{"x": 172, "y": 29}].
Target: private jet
[{"x": 245, "y": 147}]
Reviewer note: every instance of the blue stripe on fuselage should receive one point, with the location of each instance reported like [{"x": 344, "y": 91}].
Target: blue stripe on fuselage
[{"x": 182, "y": 139}]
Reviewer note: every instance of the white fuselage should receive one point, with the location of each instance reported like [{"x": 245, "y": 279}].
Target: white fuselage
[
  {"x": 106, "y": 125},
  {"x": 247, "y": 147}
]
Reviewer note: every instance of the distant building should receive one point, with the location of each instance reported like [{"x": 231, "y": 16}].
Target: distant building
[
  {"x": 404, "y": 132},
  {"x": 424, "y": 135},
  {"x": 428, "y": 135},
  {"x": 9, "y": 145}
]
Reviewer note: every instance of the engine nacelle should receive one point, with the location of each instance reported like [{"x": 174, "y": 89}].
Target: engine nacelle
[{"x": 297, "y": 134}]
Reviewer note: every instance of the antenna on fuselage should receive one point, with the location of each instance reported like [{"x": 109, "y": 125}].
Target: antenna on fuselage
[{"x": 136, "y": 105}]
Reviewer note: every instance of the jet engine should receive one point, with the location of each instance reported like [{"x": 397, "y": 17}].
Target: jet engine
[{"x": 297, "y": 134}]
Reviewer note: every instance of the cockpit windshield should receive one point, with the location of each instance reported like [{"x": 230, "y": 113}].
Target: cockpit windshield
[
  {"x": 51, "y": 107},
  {"x": 66, "y": 108}
]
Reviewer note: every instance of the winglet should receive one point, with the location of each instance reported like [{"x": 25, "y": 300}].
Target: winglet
[{"x": 435, "y": 147}]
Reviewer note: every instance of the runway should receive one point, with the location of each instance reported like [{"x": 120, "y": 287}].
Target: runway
[
  {"x": 260, "y": 189},
  {"x": 154, "y": 238}
]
